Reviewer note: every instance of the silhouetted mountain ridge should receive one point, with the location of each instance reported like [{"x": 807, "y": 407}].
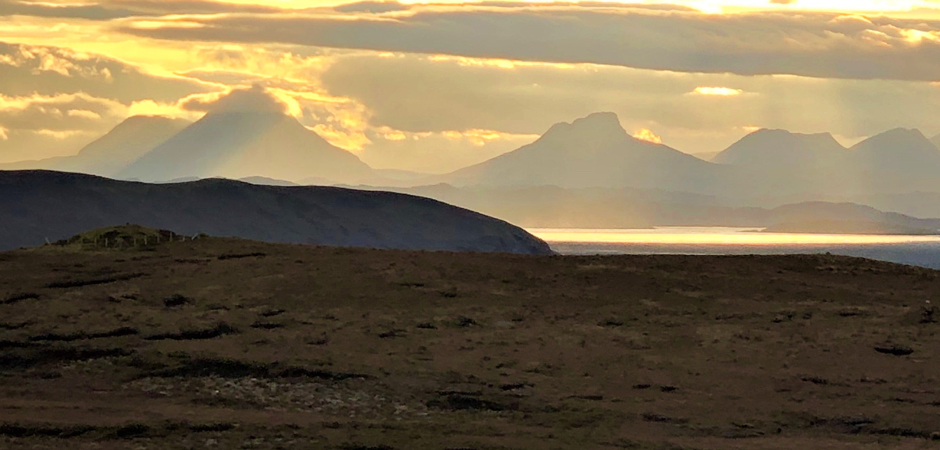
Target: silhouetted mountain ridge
[
  {"x": 594, "y": 151},
  {"x": 773, "y": 148},
  {"x": 238, "y": 144},
  {"x": 39, "y": 204},
  {"x": 113, "y": 152}
]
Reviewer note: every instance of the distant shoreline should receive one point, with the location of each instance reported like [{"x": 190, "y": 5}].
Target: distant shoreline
[{"x": 848, "y": 228}]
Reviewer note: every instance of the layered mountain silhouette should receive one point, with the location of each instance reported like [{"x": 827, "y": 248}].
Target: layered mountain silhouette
[
  {"x": 589, "y": 171},
  {"x": 845, "y": 218},
  {"x": 239, "y": 144},
  {"x": 594, "y": 151},
  {"x": 896, "y": 161},
  {"x": 40, "y": 205},
  {"x": 554, "y": 207},
  {"x": 113, "y": 152},
  {"x": 936, "y": 141},
  {"x": 764, "y": 149},
  {"x": 778, "y": 162}
]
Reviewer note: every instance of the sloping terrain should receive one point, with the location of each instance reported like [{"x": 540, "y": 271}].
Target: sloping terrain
[
  {"x": 221, "y": 343},
  {"x": 113, "y": 152},
  {"x": 594, "y": 151},
  {"x": 247, "y": 144},
  {"x": 554, "y": 207},
  {"x": 38, "y": 206}
]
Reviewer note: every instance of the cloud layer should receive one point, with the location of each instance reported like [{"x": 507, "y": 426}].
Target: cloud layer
[
  {"x": 437, "y": 87},
  {"x": 823, "y": 45},
  {"x": 251, "y": 100}
]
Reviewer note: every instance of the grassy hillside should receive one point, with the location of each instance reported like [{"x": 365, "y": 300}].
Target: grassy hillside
[
  {"x": 222, "y": 343},
  {"x": 39, "y": 206}
]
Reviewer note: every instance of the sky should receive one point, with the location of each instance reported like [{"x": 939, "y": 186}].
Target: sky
[{"x": 433, "y": 87}]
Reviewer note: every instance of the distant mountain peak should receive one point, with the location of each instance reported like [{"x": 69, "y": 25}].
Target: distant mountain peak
[
  {"x": 603, "y": 120},
  {"x": 593, "y": 151},
  {"x": 903, "y": 132},
  {"x": 896, "y": 139},
  {"x": 780, "y": 133},
  {"x": 593, "y": 127},
  {"x": 773, "y": 147},
  {"x": 151, "y": 118},
  {"x": 238, "y": 143}
]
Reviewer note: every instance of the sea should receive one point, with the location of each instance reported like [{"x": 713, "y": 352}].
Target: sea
[{"x": 921, "y": 251}]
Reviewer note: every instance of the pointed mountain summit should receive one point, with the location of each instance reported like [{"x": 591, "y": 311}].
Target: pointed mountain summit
[
  {"x": 248, "y": 133},
  {"x": 125, "y": 143},
  {"x": 899, "y": 144},
  {"x": 591, "y": 131},
  {"x": 896, "y": 161},
  {"x": 781, "y": 148},
  {"x": 594, "y": 151},
  {"x": 113, "y": 152}
]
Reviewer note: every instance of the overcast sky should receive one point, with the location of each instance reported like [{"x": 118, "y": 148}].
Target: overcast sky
[{"x": 434, "y": 87}]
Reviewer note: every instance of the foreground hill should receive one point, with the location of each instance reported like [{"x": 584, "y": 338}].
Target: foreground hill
[
  {"x": 41, "y": 205},
  {"x": 225, "y": 344}
]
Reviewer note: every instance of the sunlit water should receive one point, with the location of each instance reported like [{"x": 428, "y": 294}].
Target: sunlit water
[{"x": 915, "y": 250}]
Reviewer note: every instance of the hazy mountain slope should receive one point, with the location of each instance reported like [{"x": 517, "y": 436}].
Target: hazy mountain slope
[
  {"x": 896, "y": 161},
  {"x": 114, "y": 151},
  {"x": 594, "y": 151},
  {"x": 936, "y": 141},
  {"x": 778, "y": 162},
  {"x": 39, "y": 205},
  {"x": 554, "y": 207},
  {"x": 124, "y": 144},
  {"x": 781, "y": 148},
  {"x": 825, "y": 217},
  {"x": 246, "y": 144},
  {"x": 268, "y": 181}
]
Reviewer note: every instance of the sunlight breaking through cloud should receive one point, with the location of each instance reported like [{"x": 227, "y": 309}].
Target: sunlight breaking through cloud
[
  {"x": 718, "y": 91},
  {"x": 648, "y": 136}
]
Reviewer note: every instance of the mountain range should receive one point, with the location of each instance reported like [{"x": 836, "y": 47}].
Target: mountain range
[
  {"x": 589, "y": 171},
  {"x": 245, "y": 144},
  {"x": 555, "y": 207},
  {"x": 596, "y": 152},
  {"x": 40, "y": 205},
  {"x": 591, "y": 152},
  {"x": 113, "y": 152},
  {"x": 233, "y": 144}
]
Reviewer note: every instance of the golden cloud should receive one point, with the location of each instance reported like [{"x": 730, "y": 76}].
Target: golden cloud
[
  {"x": 717, "y": 91},
  {"x": 648, "y": 136}
]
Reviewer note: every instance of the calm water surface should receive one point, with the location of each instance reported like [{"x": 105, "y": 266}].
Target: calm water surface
[{"x": 914, "y": 250}]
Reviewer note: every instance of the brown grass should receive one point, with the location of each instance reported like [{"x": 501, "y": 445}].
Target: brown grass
[{"x": 348, "y": 348}]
